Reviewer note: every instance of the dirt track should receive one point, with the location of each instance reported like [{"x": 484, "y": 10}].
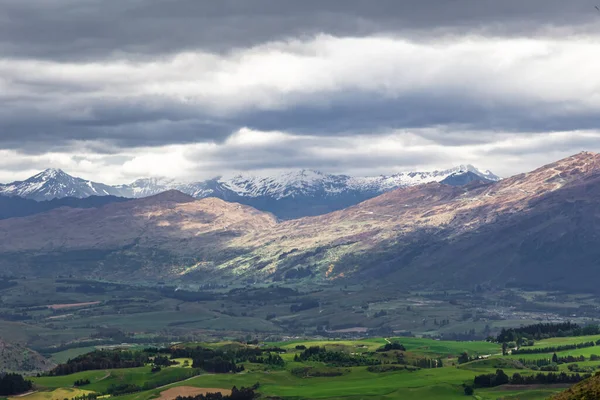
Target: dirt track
[{"x": 63, "y": 306}]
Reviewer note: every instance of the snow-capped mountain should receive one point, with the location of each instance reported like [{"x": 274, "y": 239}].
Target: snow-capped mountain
[
  {"x": 146, "y": 187},
  {"x": 54, "y": 183},
  {"x": 288, "y": 194}
]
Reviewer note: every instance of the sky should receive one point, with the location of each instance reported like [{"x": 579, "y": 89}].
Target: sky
[{"x": 192, "y": 89}]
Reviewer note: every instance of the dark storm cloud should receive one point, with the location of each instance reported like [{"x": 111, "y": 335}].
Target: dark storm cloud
[
  {"x": 458, "y": 120},
  {"x": 96, "y": 29},
  {"x": 110, "y": 79},
  {"x": 119, "y": 123}
]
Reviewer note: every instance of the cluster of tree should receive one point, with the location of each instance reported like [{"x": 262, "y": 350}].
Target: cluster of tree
[
  {"x": 236, "y": 394},
  {"x": 238, "y": 355},
  {"x": 491, "y": 380},
  {"x": 269, "y": 359},
  {"x": 334, "y": 358},
  {"x": 546, "y": 330},
  {"x": 391, "y": 346},
  {"x": 428, "y": 363},
  {"x": 81, "y": 382},
  {"x": 101, "y": 359},
  {"x": 547, "y": 379},
  {"x": 89, "y": 396},
  {"x": 500, "y": 378},
  {"x": 540, "y": 362},
  {"x": 123, "y": 388},
  {"x": 555, "y": 360},
  {"x": 219, "y": 361},
  {"x": 217, "y": 365},
  {"x": 566, "y": 359},
  {"x": 11, "y": 384},
  {"x": 577, "y": 368},
  {"x": 163, "y": 361},
  {"x": 553, "y": 348},
  {"x": 304, "y": 305},
  {"x": 464, "y": 357}
]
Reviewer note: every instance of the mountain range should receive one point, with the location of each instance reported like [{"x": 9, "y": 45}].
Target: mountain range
[
  {"x": 538, "y": 229},
  {"x": 288, "y": 195}
]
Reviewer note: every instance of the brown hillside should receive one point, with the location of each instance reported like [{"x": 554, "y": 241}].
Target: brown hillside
[
  {"x": 513, "y": 230},
  {"x": 586, "y": 390}
]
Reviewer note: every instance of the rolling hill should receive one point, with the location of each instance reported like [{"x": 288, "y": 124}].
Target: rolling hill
[{"x": 13, "y": 207}]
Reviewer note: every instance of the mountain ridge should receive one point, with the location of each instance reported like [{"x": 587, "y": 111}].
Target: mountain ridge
[
  {"x": 289, "y": 194},
  {"x": 514, "y": 230}
]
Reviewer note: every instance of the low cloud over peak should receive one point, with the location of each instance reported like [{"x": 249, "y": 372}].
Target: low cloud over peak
[{"x": 193, "y": 88}]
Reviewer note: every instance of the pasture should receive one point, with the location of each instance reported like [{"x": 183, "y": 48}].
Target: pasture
[{"x": 390, "y": 381}]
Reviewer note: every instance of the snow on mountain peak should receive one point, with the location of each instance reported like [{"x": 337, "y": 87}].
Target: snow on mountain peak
[
  {"x": 50, "y": 173},
  {"x": 55, "y": 183},
  {"x": 275, "y": 185}
]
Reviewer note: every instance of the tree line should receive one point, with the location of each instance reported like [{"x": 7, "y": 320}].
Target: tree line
[
  {"x": 546, "y": 330},
  {"x": 236, "y": 394},
  {"x": 101, "y": 359},
  {"x": 553, "y": 349},
  {"x": 500, "y": 378}
]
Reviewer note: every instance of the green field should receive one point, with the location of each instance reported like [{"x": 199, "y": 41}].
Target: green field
[{"x": 354, "y": 383}]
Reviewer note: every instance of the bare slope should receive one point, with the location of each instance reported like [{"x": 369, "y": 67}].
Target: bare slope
[
  {"x": 529, "y": 229},
  {"x": 16, "y": 358}
]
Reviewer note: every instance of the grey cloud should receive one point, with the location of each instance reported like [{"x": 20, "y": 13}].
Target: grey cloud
[
  {"x": 37, "y": 128},
  {"x": 45, "y": 113},
  {"x": 451, "y": 121},
  {"x": 95, "y": 29},
  {"x": 454, "y": 119}
]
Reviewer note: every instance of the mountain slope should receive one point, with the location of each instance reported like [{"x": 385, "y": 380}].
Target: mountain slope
[
  {"x": 536, "y": 229},
  {"x": 12, "y": 207},
  {"x": 17, "y": 358},
  {"x": 157, "y": 236}
]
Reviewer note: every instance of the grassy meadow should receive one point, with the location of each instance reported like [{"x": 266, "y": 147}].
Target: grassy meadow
[{"x": 353, "y": 382}]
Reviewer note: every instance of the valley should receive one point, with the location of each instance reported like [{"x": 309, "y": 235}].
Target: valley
[{"x": 439, "y": 263}]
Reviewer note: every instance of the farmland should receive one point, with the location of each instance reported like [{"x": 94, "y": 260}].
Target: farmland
[{"x": 362, "y": 369}]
